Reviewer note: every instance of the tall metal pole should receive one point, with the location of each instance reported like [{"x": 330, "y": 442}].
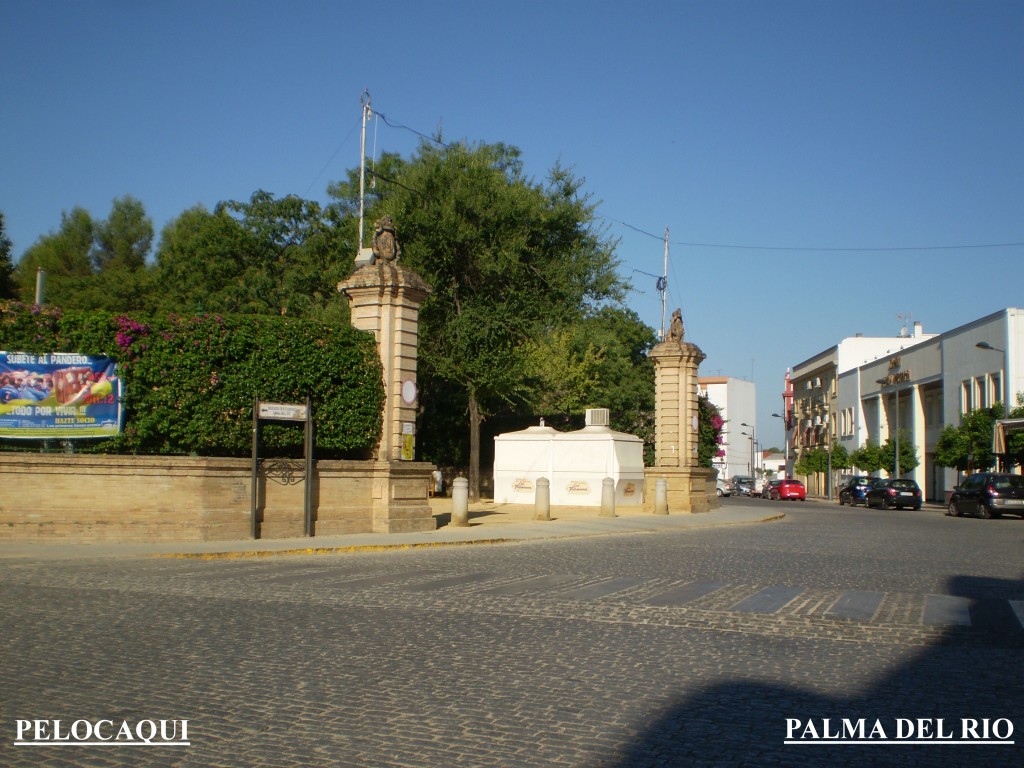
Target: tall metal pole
[
  {"x": 41, "y": 283},
  {"x": 365, "y": 100},
  {"x": 664, "y": 285},
  {"x": 897, "y": 430}
]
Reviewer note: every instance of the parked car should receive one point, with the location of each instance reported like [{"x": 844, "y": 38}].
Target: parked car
[
  {"x": 789, "y": 489},
  {"x": 852, "y": 492},
  {"x": 988, "y": 495},
  {"x": 766, "y": 491},
  {"x": 893, "y": 492},
  {"x": 723, "y": 488},
  {"x": 743, "y": 485}
]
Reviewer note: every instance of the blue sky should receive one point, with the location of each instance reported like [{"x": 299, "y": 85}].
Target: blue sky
[{"x": 822, "y": 167}]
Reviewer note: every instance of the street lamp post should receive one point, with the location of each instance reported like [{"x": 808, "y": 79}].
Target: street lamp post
[
  {"x": 753, "y": 440},
  {"x": 1006, "y": 388},
  {"x": 896, "y": 390}
]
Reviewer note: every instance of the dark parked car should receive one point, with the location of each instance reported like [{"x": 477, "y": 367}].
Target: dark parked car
[
  {"x": 988, "y": 495},
  {"x": 766, "y": 490},
  {"x": 893, "y": 492},
  {"x": 743, "y": 485},
  {"x": 853, "y": 491},
  {"x": 789, "y": 489}
]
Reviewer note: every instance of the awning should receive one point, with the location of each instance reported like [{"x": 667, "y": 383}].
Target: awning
[{"x": 999, "y": 430}]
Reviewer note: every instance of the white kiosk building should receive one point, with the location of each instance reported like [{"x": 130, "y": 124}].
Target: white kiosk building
[{"x": 575, "y": 463}]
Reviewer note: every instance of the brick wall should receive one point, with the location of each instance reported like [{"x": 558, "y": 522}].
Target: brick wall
[{"x": 77, "y": 497}]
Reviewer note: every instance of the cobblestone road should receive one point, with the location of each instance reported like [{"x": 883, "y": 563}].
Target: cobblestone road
[{"x": 642, "y": 650}]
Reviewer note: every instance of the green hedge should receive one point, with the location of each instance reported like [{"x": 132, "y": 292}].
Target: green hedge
[{"x": 189, "y": 381}]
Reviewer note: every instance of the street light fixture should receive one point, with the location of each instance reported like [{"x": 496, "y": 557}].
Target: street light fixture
[
  {"x": 884, "y": 383},
  {"x": 753, "y": 439},
  {"x": 1006, "y": 382}
]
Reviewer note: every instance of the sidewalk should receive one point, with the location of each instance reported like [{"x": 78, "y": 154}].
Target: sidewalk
[{"x": 489, "y": 523}]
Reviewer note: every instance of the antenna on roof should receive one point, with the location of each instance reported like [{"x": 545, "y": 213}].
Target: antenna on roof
[{"x": 906, "y": 318}]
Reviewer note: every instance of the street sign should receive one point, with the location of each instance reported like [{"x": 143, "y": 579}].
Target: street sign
[{"x": 282, "y": 411}]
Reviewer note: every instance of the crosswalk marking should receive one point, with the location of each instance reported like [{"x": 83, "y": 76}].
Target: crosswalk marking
[
  {"x": 602, "y": 589},
  {"x": 991, "y": 614},
  {"x": 947, "y": 610},
  {"x": 1017, "y": 606},
  {"x": 856, "y": 605},
  {"x": 451, "y": 581},
  {"x": 538, "y": 583},
  {"x": 768, "y": 600},
  {"x": 684, "y": 593}
]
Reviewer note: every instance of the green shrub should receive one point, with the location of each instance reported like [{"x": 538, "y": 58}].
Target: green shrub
[{"x": 189, "y": 381}]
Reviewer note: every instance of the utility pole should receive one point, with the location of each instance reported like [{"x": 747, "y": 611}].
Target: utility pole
[
  {"x": 663, "y": 286},
  {"x": 365, "y": 101}
]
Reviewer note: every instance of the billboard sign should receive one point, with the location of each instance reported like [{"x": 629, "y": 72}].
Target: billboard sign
[{"x": 58, "y": 396}]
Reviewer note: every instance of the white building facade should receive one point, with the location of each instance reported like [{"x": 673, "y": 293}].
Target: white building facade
[
  {"x": 736, "y": 400},
  {"x": 914, "y": 387}
]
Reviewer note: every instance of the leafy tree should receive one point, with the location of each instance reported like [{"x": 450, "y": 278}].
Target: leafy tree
[
  {"x": 1015, "y": 439},
  {"x": 200, "y": 262},
  {"x": 63, "y": 255},
  {"x": 908, "y": 455},
  {"x": 508, "y": 259},
  {"x": 266, "y": 256},
  {"x": 94, "y": 264},
  {"x": 868, "y": 458},
  {"x": 820, "y": 461},
  {"x": 625, "y": 381},
  {"x": 812, "y": 461},
  {"x": 968, "y": 447},
  {"x": 123, "y": 240},
  {"x": 562, "y": 372},
  {"x": 709, "y": 431},
  {"x": 599, "y": 361},
  {"x": 840, "y": 457},
  {"x": 7, "y": 285}
]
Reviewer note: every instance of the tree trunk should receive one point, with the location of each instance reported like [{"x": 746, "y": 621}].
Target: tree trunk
[{"x": 474, "y": 448}]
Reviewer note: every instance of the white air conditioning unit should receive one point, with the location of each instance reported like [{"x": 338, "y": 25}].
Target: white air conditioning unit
[
  {"x": 598, "y": 417},
  {"x": 365, "y": 257}
]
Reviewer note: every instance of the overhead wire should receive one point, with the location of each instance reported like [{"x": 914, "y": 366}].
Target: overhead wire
[
  {"x": 331, "y": 159},
  {"x": 684, "y": 243},
  {"x": 411, "y": 130},
  {"x": 813, "y": 249}
]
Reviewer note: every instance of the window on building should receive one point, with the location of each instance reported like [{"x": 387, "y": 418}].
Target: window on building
[
  {"x": 965, "y": 397},
  {"x": 996, "y": 393},
  {"x": 979, "y": 392}
]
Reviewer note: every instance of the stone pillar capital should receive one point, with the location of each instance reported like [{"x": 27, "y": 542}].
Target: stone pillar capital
[{"x": 669, "y": 352}]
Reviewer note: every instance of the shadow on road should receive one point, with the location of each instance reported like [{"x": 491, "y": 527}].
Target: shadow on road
[{"x": 972, "y": 672}]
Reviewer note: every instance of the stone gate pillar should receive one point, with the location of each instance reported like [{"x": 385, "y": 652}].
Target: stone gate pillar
[
  {"x": 690, "y": 487},
  {"x": 385, "y": 299}
]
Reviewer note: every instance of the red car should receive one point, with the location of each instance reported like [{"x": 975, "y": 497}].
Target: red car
[{"x": 789, "y": 489}]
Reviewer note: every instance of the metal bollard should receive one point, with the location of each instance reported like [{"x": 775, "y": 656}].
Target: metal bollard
[
  {"x": 661, "y": 496},
  {"x": 607, "y": 498},
  {"x": 542, "y": 500},
  {"x": 460, "y": 502}
]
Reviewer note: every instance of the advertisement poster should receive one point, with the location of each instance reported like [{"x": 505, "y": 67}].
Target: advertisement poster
[{"x": 58, "y": 396}]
